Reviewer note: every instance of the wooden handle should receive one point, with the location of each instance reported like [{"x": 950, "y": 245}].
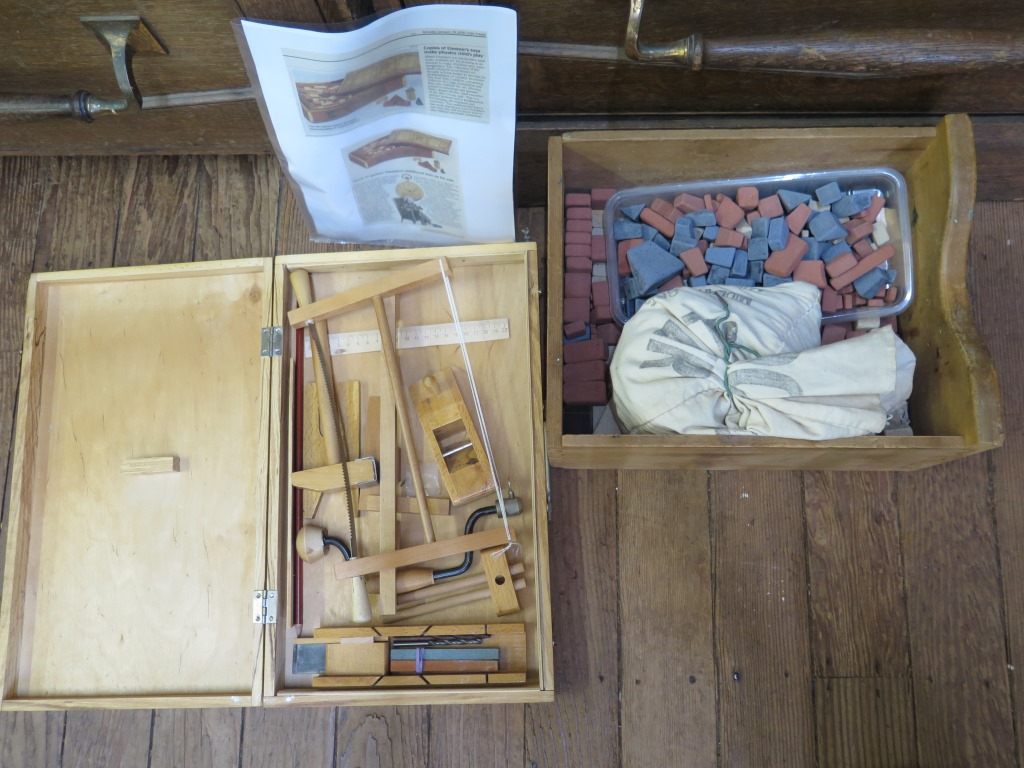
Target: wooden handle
[
  {"x": 411, "y": 579},
  {"x": 361, "y": 611},
  {"x": 869, "y": 54},
  {"x": 449, "y": 587},
  {"x": 387, "y": 345},
  {"x": 302, "y": 287}
]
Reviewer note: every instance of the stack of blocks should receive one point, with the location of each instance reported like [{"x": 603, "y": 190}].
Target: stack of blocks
[
  {"x": 589, "y": 331},
  {"x": 835, "y": 240}
]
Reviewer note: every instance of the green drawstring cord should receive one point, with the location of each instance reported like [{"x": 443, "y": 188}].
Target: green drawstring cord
[{"x": 728, "y": 346}]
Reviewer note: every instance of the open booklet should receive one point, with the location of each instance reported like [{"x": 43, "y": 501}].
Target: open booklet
[{"x": 401, "y": 131}]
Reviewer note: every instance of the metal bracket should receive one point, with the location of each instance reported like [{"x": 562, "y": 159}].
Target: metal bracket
[
  {"x": 272, "y": 341},
  {"x": 688, "y": 52},
  {"x": 123, "y": 37},
  {"x": 264, "y": 606}
]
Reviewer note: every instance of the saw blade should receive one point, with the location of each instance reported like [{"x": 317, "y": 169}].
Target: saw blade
[{"x": 339, "y": 430}]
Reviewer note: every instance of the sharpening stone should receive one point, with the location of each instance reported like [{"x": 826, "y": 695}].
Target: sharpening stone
[
  {"x": 450, "y": 654},
  {"x": 309, "y": 659}
]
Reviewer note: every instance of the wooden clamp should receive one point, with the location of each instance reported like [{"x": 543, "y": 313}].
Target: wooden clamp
[{"x": 452, "y": 437}]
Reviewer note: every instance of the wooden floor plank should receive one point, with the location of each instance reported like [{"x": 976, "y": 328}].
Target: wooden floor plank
[
  {"x": 31, "y": 739},
  {"x": 293, "y": 232},
  {"x": 111, "y": 739},
  {"x": 865, "y": 723},
  {"x": 858, "y": 617},
  {"x": 581, "y": 728},
  {"x": 158, "y": 217},
  {"x": 996, "y": 278},
  {"x": 385, "y": 737},
  {"x": 957, "y": 637},
  {"x": 238, "y": 207},
  {"x": 766, "y": 715},
  {"x": 78, "y": 222},
  {"x": 469, "y": 737},
  {"x": 34, "y": 181},
  {"x": 198, "y": 738},
  {"x": 288, "y": 738},
  {"x": 669, "y": 687}
]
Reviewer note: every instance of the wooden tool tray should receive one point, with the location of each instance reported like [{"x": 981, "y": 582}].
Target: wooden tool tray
[
  {"x": 956, "y": 407},
  {"x": 151, "y": 506}
]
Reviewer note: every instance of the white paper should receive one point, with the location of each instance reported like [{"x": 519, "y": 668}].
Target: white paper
[{"x": 400, "y": 131}]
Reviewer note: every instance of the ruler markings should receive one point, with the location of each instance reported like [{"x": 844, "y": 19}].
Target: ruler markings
[{"x": 418, "y": 336}]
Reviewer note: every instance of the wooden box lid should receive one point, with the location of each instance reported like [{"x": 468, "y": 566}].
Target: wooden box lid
[{"x": 131, "y": 585}]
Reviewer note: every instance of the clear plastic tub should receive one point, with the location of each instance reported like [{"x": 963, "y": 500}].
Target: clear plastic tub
[{"x": 887, "y": 182}]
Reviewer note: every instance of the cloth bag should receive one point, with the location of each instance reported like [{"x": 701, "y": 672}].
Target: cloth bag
[{"x": 748, "y": 361}]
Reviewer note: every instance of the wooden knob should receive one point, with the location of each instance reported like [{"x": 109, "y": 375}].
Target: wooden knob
[{"x": 309, "y": 543}]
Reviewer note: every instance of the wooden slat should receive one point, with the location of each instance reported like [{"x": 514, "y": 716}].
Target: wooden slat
[
  {"x": 865, "y": 723},
  {"x": 158, "y": 216},
  {"x": 114, "y": 738},
  {"x": 765, "y": 710},
  {"x": 288, "y": 738},
  {"x": 293, "y": 233},
  {"x": 238, "y": 201},
  {"x": 469, "y": 737},
  {"x": 31, "y": 739},
  {"x": 995, "y": 279},
  {"x": 30, "y": 184},
  {"x": 667, "y": 660},
  {"x": 78, "y": 223},
  {"x": 195, "y": 737},
  {"x": 853, "y": 553},
  {"x": 386, "y": 736},
  {"x": 581, "y": 727},
  {"x": 957, "y": 636}
]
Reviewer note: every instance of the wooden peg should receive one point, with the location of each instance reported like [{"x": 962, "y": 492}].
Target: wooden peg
[{"x": 150, "y": 466}]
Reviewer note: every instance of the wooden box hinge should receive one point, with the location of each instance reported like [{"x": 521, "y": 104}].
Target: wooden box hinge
[
  {"x": 272, "y": 341},
  {"x": 264, "y": 606}
]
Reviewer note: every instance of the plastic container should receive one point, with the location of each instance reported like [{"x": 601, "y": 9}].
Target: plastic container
[{"x": 886, "y": 182}]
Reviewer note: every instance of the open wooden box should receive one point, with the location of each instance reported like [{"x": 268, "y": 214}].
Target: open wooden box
[
  {"x": 956, "y": 407},
  {"x": 137, "y": 590}
]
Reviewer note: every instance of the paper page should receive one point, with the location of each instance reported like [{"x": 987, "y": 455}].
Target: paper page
[{"x": 402, "y": 131}]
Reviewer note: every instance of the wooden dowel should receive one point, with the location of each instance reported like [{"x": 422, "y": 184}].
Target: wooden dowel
[
  {"x": 459, "y": 584},
  {"x": 448, "y": 602},
  {"x": 387, "y": 345}
]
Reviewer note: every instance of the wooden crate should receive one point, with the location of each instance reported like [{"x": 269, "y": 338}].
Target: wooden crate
[
  {"x": 124, "y": 589},
  {"x": 956, "y": 407}
]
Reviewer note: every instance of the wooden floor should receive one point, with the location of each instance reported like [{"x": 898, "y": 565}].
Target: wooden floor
[{"x": 701, "y": 619}]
